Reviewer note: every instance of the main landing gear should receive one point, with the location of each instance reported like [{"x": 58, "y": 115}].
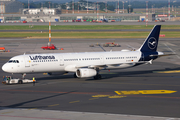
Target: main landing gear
[
  {"x": 75, "y": 76},
  {"x": 98, "y": 76}
]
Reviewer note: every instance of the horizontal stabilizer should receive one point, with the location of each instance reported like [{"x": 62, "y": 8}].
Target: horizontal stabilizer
[{"x": 162, "y": 55}]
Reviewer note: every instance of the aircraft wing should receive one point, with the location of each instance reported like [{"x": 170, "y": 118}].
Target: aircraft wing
[
  {"x": 91, "y": 66},
  {"x": 102, "y": 66}
]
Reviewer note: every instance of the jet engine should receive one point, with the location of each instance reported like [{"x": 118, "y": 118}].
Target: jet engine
[{"x": 85, "y": 72}]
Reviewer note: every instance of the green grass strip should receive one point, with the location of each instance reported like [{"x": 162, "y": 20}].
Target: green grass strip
[
  {"x": 168, "y": 34},
  {"x": 83, "y": 27}
]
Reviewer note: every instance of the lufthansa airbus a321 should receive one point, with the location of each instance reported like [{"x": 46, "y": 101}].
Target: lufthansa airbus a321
[{"x": 87, "y": 64}]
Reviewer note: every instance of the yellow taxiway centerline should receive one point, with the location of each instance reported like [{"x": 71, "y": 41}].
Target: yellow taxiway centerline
[
  {"x": 136, "y": 92},
  {"x": 74, "y": 101},
  {"x": 172, "y": 71},
  {"x": 53, "y": 105}
]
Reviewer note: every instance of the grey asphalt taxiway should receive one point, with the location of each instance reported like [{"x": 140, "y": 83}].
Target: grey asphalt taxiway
[{"x": 67, "y": 98}]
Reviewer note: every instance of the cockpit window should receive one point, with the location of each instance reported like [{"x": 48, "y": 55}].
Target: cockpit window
[{"x": 13, "y": 61}]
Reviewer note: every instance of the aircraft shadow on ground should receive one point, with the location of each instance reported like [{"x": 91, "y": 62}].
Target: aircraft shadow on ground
[
  {"x": 112, "y": 74},
  {"x": 20, "y": 105}
]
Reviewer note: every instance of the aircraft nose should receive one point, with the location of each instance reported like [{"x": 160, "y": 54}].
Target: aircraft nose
[{"x": 5, "y": 68}]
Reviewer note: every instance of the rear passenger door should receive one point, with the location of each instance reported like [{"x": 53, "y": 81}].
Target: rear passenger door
[
  {"x": 27, "y": 61},
  {"x": 61, "y": 59}
]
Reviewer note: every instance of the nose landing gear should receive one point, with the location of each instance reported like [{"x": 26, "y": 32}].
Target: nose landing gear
[{"x": 23, "y": 75}]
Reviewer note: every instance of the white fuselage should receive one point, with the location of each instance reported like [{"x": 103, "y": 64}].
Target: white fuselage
[
  {"x": 86, "y": 64},
  {"x": 70, "y": 62}
]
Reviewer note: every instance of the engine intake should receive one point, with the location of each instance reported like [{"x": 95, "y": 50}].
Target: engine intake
[{"x": 85, "y": 72}]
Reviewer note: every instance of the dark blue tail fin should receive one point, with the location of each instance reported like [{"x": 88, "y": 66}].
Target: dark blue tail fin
[{"x": 151, "y": 42}]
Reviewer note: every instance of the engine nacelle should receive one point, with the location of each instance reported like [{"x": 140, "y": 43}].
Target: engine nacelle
[{"x": 85, "y": 72}]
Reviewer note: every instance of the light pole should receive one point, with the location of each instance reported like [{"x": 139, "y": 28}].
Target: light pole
[
  {"x": 146, "y": 13},
  {"x": 87, "y": 6},
  {"x": 169, "y": 10}
]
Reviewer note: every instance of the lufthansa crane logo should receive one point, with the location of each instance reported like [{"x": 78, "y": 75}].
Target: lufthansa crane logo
[{"x": 152, "y": 43}]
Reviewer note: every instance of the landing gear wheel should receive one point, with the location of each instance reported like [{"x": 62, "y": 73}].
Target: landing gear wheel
[
  {"x": 98, "y": 76},
  {"x": 75, "y": 76}
]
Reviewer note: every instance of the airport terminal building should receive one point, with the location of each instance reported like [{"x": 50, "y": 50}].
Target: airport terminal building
[
  {"x": 57, "y": 17},
  {"x": 108, "y": 16},
  {"x": 55, "y": 14}
]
